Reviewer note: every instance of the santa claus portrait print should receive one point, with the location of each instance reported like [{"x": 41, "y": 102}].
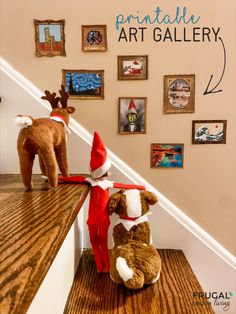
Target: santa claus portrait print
[
  {"x": 132, "y": 115},
  {"x": 132, "y": 67}
]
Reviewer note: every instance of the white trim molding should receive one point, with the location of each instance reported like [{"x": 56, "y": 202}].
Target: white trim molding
[{"x": 128, "y": 172}]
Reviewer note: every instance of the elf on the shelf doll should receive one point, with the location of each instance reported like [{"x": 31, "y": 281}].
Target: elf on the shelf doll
[{"x": 98, "y": 217}]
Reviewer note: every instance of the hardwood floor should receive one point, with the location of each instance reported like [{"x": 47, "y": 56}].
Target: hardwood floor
[
  {"x": 32, "y": 229},
  {"x": 173, "y": 293},
  {"x": 33, "y": 226}
]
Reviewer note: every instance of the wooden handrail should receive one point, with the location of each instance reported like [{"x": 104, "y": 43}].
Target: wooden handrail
[{"x": 33, "y": 226}]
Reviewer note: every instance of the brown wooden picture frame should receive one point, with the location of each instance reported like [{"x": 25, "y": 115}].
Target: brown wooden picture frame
[
  {"x": 179, "y": 93},
  {"x": 209, "y": 131},
  {"x": 94, "y": 38},
  {"x": 84, "y": 84},
  {"x": 132, "y": 115},
  {"x": 49, "y": 38},
  {"x": 166, "y": 155},
  {"x": 132, "y": 67}
]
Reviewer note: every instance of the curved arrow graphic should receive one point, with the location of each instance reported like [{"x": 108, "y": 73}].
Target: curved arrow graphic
[{"x": 213, "y": 90}]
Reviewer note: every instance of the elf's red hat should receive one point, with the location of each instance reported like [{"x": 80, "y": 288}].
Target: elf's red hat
[
  {"x": 99, "y": 162},
  {"x": 131, "y": 108}
]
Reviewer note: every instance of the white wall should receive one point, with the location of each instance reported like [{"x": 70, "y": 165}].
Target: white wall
[
  {"x": 53, "y": 293},
  {"x": 14, "y": 101}
]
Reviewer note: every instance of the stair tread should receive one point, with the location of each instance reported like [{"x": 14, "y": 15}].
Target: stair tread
[
  {"x": 33, "y": 226},
  {"x": 94, "y": 292}
]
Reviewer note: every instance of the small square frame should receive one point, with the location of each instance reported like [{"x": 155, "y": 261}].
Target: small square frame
[
  {"x": 94, "y": 38},
  {"x": 179, "y": 93},
  {"x": 167, "y": 155},
  {"x": 49, "y": 38},
  {"x": 77, "y": 81},
  {"x": 137, "y": 107},
  {"x": 132, "y": 67},
  {"x": 209, "y": 131}
]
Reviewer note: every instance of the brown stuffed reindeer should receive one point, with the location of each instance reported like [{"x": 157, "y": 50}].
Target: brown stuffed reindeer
[{"x": 45, "y": 137}]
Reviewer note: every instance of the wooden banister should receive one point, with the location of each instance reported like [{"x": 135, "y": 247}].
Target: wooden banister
[{"x": 33, "y": 225}]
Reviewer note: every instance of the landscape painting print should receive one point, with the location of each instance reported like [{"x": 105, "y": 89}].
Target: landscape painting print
[
  {"x": 84, "y": 84},
  {"x": 49, "y": 38},
  {"x": 167, "y": 155},
  {"x": 209, "y": 131}
]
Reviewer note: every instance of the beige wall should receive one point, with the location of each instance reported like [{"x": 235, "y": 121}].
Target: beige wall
[{"x": 205, "y": 188}]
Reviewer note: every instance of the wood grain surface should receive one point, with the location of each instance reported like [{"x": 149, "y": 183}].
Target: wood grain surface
[
  {"x": 33, "y": 226},
  {"x": 173, "y": 293}
]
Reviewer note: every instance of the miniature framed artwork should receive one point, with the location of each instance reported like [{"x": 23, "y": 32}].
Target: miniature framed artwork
[
  {"x": 49, "y": 38},
  {"x": 179, "y": 93},
  {"x": 132, "y": 67},
  {"x": 209, "y": 131},
  {"x": 132, "y": 115},
  {"x": 94, "y": 37},
  {"x": 84, "y": 84},
  {"x": 167, "y": 155}
]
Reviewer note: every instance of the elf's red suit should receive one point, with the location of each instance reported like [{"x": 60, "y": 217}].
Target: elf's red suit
[{"x": 98, "y": 217}]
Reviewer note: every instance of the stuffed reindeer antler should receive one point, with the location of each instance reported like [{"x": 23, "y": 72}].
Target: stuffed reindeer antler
[
  {"x": 64, "y": 97},
  {"x": 50, "y": 97}
]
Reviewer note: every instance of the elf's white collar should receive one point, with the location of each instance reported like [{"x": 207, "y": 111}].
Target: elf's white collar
[
  {"x": 104, "y": 184},
  {"x": 59, "y": 119},
  {"x": 128, "y": 224}
]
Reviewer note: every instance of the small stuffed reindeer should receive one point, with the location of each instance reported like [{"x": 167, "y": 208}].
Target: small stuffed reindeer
[{"x": 45, "y": 137}]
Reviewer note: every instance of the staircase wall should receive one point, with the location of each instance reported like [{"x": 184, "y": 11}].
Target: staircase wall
[
  {"x": 54, "y": 290},
  {"x": 214, "y": 273},
  {"x": 205, "y": 188}
]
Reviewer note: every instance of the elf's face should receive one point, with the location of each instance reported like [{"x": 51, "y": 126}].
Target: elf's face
[
  {"x": 103, "y": 177},
  {"x": 132, "y": 117}
]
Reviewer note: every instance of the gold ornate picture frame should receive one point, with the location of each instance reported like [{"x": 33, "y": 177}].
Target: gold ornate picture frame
[
  {"x": 94, "y": 38},
  {"x": 179, "y": 93},
  {"x": 49, "y": 38},
  {"x": 84, "y": 84},
  {"x": 132, "y": 67}
]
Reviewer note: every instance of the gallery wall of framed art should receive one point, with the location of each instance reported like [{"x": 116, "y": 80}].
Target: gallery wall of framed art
[{"x": 173, "y": 78}]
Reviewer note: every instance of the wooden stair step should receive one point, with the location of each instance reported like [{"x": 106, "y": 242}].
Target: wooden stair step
[
  {"x": 33, "y": 226},
  {"x": 94, "y": 292}
]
